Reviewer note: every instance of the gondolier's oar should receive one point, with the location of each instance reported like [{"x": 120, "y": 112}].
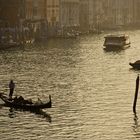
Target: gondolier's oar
[{"x": 136, "y": 94}]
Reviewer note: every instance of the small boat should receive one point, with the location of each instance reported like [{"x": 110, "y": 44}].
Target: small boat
[
  {"x": 117, "y": 41},
  {"x": 135, "y": 65},
  {"x": 8, "y": 42},
  {"x": 25, "y": 105}
]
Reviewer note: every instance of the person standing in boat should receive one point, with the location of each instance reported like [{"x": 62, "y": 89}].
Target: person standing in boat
[{"x": 11, "y": 87}]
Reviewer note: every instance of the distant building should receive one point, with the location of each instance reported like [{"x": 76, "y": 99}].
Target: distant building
[
  {"x": 91, "y": 14},
  {"x": 52, "y": 12},
  {"x": 84, "y": 15},
  {"x": 45, "y": 17},
  {"x": 69, "y": 13},
  {"x": 34, "y": 10},
  {"x": 53, "y": 15},
  {"x": 136, "y": 12},
  {"x": 118, "y": 13},
  {"x": 122, "y": 12},
  {"x": 110, "y": 8},
  {"x": 35, "y": 16},
  {"x": 96, "y": 14},
  {"x": 11, "y": 12}
]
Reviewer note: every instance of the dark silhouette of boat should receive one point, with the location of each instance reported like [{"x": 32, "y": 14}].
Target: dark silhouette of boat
[
  {"x": 135, "y": 65},
  {"x": 117, "y": 41},
  {"x": 24, "y": 104}
]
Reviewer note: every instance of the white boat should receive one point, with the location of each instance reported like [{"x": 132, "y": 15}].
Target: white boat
[{"x": 117, "y": 41}]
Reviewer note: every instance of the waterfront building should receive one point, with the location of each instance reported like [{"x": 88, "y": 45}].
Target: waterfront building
[
  {"x": 11, "y": 12},
  {"x": 122, "y": 11},
  {"x": 11, "y": 21},
  {"x": 26, "y": 17},
  {"x": 52, "y": 13},
  {"x": 45, "y": 17},
  {"x": 110, "y": 11},
  {"x": 35, "y": 17},
  {"x": 136, "y": 12},
  {"x": 118, "y": 13},
  {"x": 96, "y": 15},
  {"x": 91, "y": 15},
  {"x": 84, "y": 15},
  {"x": 69, "y": 14},
  {"x": 34, "y": 12}
]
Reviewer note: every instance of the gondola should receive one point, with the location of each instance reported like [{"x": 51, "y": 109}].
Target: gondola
[{"x": 25, "y": 105}]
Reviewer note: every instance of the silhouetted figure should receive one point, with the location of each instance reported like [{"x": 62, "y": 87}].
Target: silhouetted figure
[{"x": 11, "y": 87}]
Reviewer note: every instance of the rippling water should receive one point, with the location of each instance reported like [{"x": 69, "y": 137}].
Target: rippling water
[{"x": 92, "y": 90}]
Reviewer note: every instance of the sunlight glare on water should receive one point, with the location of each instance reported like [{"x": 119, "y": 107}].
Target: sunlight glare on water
[{"x": 92, "y": 90}]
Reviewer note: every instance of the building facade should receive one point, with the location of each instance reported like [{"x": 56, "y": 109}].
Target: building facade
[
  {"x": 35, "y": 16},
  {"x": 96, "y": 14},
  {"x": 117, "y": 13},
  {"x": 52, "y": 12},
  {"x": 136, "y": 12},
  {"x": 69, "y": 14},
  {"x": 49, "y": 16},
  {"x": 84, "y": 15},
  {"x": 12, "y": 12}
]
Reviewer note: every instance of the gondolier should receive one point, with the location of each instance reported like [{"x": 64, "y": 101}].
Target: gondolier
[{"x": 11, "y": 87}]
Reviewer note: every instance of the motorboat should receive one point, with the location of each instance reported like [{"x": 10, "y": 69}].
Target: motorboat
[{"x": 117, "y": 41}]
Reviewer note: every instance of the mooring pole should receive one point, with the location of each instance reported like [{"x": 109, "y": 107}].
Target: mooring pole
[{"x": 136, "y": 94}]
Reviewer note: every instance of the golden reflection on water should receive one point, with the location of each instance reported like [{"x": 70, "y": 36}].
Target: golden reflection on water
[{"x": 92, "y": 90}]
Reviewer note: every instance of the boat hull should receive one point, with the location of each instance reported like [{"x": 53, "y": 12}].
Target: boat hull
[
  {"x": 135, "y": 65},
  {"x": 116, "y": 48},
  {"x": 11, "y": 103}
]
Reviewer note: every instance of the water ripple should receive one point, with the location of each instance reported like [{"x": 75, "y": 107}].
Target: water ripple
[{"x": 92, "y": 90}]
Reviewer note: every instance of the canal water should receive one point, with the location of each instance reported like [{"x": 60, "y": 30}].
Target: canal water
[{"x": 92, "y": 90}]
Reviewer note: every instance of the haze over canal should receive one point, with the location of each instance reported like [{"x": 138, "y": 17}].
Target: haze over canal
[{"x": 92, "y": 90}]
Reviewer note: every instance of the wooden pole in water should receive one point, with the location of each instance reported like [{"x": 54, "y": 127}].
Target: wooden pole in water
[{"x": 136, "y": 94}]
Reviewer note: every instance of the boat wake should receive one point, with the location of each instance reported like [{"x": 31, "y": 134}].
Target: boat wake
[{"x": 39, "y": 113}]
